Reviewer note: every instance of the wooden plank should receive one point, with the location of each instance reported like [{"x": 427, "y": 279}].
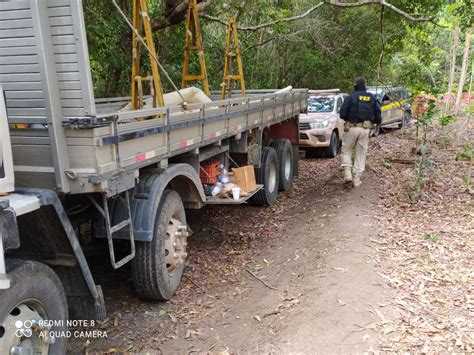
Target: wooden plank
[
  {"x": 20, "y": 68},
  {"x": 215, "y": 200},
  {"x": 16, "y": 24},
  {"x": 24, "y": 59},
  {"x": 16, "y": 42}
]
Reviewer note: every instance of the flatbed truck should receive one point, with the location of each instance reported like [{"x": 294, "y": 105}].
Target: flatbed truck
[{"x": 75, "y": 169}]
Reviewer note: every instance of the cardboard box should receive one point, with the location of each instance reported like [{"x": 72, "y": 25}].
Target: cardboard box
[{"x": 244, "y": 177}]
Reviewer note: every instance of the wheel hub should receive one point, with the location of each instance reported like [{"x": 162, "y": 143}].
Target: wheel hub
[
  {"x": 287, "y": 162},
  {"x": 272, "y": 178},
  {"x": 175, "y": 245},
  {"x": 22, "y": 331}
]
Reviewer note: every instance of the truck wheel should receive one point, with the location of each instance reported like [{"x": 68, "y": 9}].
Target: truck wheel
[
  {"x": 36, "y": 294},
  {"x": 159, "y": 264},
  {"x": 331, "y": 151},
  {"x": 284, "y": 152},
  {"x": 267, "y": 175}
]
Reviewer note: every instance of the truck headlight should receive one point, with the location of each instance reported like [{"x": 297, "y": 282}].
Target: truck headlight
[{"x": 320, "y": 125}]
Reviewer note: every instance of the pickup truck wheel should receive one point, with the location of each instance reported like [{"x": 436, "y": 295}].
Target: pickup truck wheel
[
  {"x": 331, "y": 151},
  {"x": 267, "y": 175},
  {"x": 159, "y": 264},
  {"x": 284, "y": 152},
  {"x": 405, "y": 121},
  {"x": 36, "y": 294}
]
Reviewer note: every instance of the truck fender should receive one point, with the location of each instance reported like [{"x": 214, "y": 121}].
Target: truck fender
[{"x": 181, "y": 178}]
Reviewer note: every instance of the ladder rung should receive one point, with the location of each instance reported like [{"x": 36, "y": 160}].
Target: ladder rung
[
  {"x": 193, "y": 77},
  {"x": 119, "y": 226},
  {"x": 233, "y": 77},
  {"x": 232, "y": 55}
]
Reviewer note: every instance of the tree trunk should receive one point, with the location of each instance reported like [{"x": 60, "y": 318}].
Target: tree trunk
[
  {"x": 462, "y": 79},
  {"x": 452, "y": 69}
]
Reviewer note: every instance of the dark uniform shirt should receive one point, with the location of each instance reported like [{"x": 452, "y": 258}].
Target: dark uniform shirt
[{"x": 361, "y": 106}]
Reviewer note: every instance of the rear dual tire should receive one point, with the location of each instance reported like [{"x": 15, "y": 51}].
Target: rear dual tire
[
  {"x": 284, "y": 152},
  {"x": 268, "y": 176}
]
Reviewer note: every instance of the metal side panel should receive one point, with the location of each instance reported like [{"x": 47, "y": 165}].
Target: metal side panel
[{"x": 66, "y": 19}]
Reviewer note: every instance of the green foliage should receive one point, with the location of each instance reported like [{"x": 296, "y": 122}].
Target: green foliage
[
  {"x": 445, "y": 120},
  {"x": 326, "y": 49},
  {"x": 467, "y": 153},
  {"x": 431, "y": 237},
  {"x": 387, "y": 164},
  {"x": 423, "y": 165}
]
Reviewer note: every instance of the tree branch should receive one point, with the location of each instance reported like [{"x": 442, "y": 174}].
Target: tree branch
[
  {"x": 337, "y": 3},
  {"x": 268, "y": 24}
]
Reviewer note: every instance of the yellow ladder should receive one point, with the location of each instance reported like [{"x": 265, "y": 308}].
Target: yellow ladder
[
  {"x": 194, "y": 44},
  {"x": 141, "y": 21},
  {"x": 230, "y": 55}
]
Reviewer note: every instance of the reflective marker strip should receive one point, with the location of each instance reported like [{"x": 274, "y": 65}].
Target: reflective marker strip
[
  {"x": 393, "y": 104},
  {"x": 139, "y": 157},
  {"x": 216, "y": 134},
  {"x": 184, "y": 144}
]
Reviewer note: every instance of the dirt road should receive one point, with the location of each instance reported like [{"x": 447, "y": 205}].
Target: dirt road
[{"x": 302, "y": 276}]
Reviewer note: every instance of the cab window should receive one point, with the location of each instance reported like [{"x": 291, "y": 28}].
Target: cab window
[{"x": 338, "y": 104}]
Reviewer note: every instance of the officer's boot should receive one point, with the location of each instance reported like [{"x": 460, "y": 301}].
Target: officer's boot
[
  {"x": 347, "y": 175},
  {"x": 356, "y": 182}
]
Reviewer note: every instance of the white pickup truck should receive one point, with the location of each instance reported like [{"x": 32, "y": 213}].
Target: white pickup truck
[{"x": 321, "y": 128}]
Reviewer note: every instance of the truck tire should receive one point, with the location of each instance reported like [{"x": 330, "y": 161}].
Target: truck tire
[
  {"x": 331, "y": 151},
  {"x": 284, "y": 152},
  {"x": 267, "y": 175},
  {"x": 36, "y": 292},
  {"x": 159, "y": 264}
]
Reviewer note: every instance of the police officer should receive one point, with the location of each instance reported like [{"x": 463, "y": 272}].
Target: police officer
[{"x": 361, "y": 111}]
